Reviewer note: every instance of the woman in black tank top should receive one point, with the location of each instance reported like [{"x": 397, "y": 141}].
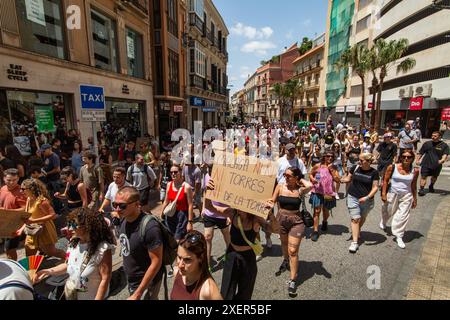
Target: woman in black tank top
[
  {"x": 292, "y": 228},
  {"x": 75, "y": 192},
  {"x": 240, "y": 270}
]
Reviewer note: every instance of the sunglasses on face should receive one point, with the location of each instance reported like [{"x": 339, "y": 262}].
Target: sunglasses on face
[
  {"x": 407, "y": 157},
  {"x": 120, "y": 206},
  {"x": 174, "y": 172},
  {"x": 329, "y": 156},
  {"x": 72, "y": 225}
]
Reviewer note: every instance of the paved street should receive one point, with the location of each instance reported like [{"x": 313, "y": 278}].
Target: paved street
[{"x": 329, "y": 271}]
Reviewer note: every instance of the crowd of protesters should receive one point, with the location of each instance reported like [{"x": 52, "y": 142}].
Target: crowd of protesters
[{"x": 105, "y": 204}]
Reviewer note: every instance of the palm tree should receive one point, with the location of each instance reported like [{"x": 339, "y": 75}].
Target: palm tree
[
  {"x": 287, "y": 93},
  {"x": 357, "y": 58},
  {"x": 387, "y": 54},
  {"x": 373, "y": 66}
]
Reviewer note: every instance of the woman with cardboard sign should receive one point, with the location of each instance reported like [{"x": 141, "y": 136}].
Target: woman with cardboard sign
[{"x": 240, "y": 270}]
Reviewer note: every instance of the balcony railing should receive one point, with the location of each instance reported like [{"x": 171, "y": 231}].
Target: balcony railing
[
  {"x": 140, "y": 4},
  {"x": 198, "y": 82},
  {"x": 195, "y": 21},
  {"x": 208, "y": 34}
]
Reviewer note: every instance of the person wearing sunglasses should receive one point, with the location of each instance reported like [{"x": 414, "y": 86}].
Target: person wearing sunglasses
[
  {"x": 42, "y": 215},
  {"x": 142, "y": 251},
  {"x": 240, "y": 269},
  {"x": 323, "y": 194},
  {"x": 182, "y": 221},
  {"x": 193, "y": 280},
  {"x": 88, "y": 258},
  {"x": 399, "y": 195},
  {"x": 288, "y": 196},
  {"x": 363, "y": 186}
]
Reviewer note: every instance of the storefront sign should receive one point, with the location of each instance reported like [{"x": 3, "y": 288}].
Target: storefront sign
[
  {"x": 209, "y": 110},
  {"x": 340, "y": 109},
  {"x": 35, "y": 11},
  {"x": 125, "y": 89},
  {"x": 197, "y": 102},
  {"x": 177, "y": 108},
  {"x": 16, "y": 72},
  {"x": 358, "y": 110},
  {"x": 370, "y": 106},
  {"x": 92, "y": 103},
  {"x": 351, "y": 108},
  {"x": 416, "y": 104},
  {"x": 445, "y": 116},
  {"x": 44, "y": 119}
]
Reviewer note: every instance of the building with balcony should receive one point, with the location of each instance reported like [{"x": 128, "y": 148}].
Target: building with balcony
[
  {"x": 250, "y": 93},
  {"x": 308, "y": 69},
  {"x": 46, "y": 56},
  {"x": 277, "y": 71},
  {"x": 424, "y": 91},
  {"x": 168, "y": 22},
  {"x": 207, "y": 64}
]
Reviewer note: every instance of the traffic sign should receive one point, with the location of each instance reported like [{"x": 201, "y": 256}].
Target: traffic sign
[{"x": 92, "y": 103}]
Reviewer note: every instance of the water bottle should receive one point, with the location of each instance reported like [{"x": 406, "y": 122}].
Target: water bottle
[{"x": 318, "y": 177}]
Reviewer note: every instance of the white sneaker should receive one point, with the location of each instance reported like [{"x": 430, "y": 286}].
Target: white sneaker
[
  {"x": 269, "y": 243},
  {"x": 382, "y": 226},
  {"x": 353, "y": 247},
  {"x": 400, "y": 243},
  {"x": 337, "y": 196}
]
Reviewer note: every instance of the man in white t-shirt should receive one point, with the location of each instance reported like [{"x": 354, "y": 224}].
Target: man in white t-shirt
[
  {"x": 118, "y": 183},
  {"x": 288, "y": 161}
]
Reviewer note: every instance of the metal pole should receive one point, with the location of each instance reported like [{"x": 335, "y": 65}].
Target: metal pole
[{"x": 94, "y": 135}]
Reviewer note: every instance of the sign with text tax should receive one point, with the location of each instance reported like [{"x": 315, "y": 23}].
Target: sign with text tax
[
  {"x": 245, "y": 184},
  {"x": 92, "y": 103}
]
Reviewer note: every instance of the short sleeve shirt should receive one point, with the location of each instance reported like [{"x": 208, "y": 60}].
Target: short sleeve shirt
[
  {"x": 136, "y": 259},
  {"x": 406, "y": 138},
  {"x": 192, "y": 175},
  {"x": 12, "y": 199},
  {"x": 51, "y": 163},
  {"x": 91, "y": 177},
  {"x": 362, "y": 181},
  {"x": 433, "y": 152}
]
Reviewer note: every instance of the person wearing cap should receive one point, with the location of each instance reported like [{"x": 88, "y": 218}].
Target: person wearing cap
[
  {"x": 387, "y": 153},
  {"x": 314, "y": 136},
  {"x": 52, "y": 162},
  {"x": 288, "y": 161},
  {"x": 367, "y": 146}
]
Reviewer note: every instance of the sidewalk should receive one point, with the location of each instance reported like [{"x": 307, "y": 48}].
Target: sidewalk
[{"x": 431, "y": 279}]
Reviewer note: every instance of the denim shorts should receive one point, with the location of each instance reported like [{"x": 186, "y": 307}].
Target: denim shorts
[
  {"x": 357, "y": 210},
  {"x": 317, "y": 200}
]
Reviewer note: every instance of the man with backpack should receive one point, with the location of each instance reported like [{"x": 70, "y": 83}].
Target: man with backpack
[
  {"x": 433, "y": 155},
  {"x": 92, "y": 177},
  {"x": 142, "y": 246},
  {"x": 142, "y": 177}
]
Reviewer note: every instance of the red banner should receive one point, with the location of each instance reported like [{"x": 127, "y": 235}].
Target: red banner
[
  {"x": 370, "y": 105},
  {"x": 416, "y": 104},
  {"x": 445, "y": 116}
]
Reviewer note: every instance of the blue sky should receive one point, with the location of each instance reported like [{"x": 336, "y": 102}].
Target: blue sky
[{"x": 260, "y": 29}]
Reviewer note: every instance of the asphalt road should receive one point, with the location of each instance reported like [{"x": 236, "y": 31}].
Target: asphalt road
[{"x": 328, "y": 271}]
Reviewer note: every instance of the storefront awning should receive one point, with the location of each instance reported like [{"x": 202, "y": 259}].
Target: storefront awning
[{"x": 428, "y": 103}]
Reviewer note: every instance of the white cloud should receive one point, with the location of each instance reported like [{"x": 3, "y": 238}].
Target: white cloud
[
  {"x": 258, "y": 47},
  {"x": 233, "y": 78},
  {"x": 307, "y": 23},
  {"x": 250, "y": 32},
  {"x": 244, "y": 72}
]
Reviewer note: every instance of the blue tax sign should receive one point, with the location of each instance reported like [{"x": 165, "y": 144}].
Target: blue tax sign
[{"x": 92, "y": 97}]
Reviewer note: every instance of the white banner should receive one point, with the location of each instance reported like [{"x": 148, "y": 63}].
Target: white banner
[
  {"x": 340, "y": 109},
  {"x": 35, "y": 11},
  {"x": 351, "y": 108},
  {"x": 130, "y": 47}
]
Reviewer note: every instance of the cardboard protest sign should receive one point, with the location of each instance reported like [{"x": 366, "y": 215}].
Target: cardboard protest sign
[
  {"x": 245, "y": 185},
  {"x": 11, "y": 221}
]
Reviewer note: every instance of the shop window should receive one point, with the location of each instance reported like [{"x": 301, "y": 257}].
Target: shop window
[
  {"x": 104, "y": 38},
  {"x": 135, "y": 59},
  {"x": 41, "y": 27},
  {"x": 31, "y": 115},
  {"x": 124, "y": 122},
  {"x": 174, "y": 85}
]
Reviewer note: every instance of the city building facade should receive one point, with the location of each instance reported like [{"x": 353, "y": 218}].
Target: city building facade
[
  {"x": 49, "y": 55},
  {"x": 168, "y": 22},
  {"x": 250, "y": 93},
  {"x": 424, "y": 91},
  {"x": 308, "y": 69},
  {"x": 207, "y": 64}
]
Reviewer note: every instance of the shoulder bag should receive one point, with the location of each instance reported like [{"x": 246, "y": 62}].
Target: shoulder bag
[
  {"x": 308, "y": 220},
  {"x": 172, "y": 207},
  {"x": 257, "y": 246}
]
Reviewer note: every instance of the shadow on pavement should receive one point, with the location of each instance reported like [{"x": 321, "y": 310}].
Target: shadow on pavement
[
  {"x": 441, "y": 192},
  {"x": 308, "y": 269},
  {"x": 372, "y": 239},
  {"x": 336, "y": 230},
  {"x": 275, "y": 251},
  {"x": 410, "y": 236}
]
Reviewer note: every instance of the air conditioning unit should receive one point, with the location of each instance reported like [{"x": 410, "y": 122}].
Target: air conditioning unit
[
  {"x": 424, "y": 90},
  {"x": 406, "y": 92}
]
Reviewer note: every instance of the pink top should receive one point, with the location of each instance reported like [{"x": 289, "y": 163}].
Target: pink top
[{"x": 325, "y": 185}]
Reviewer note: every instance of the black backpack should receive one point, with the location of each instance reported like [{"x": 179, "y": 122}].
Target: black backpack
[{"x": 170, "y": 245}]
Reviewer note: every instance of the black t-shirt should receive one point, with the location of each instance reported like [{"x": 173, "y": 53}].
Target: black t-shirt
[
  {"x": 7, "y": 164},
  {"x": 362, "y": 181},
  {"x": 387, "y": 151},
  {"x": 51, "y": 163},
  {"x": 433, "y": 151},
  {"x": 136, "y": 260},
  {"x": 329, "y": 138}
]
